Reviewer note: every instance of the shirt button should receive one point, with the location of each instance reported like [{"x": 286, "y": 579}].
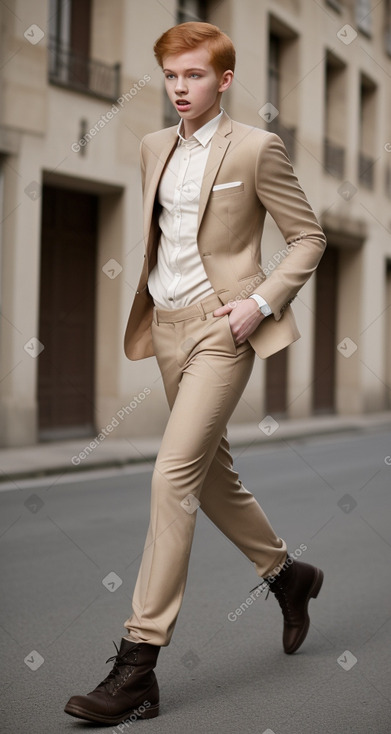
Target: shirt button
[{"x": 170, "y": 299}]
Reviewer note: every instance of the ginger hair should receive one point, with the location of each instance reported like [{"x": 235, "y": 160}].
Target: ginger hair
[{"x": 186, "y": 36}]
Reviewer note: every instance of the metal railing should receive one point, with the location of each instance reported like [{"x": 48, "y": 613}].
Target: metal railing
[
  {"x": 83, "y": 74},
  {"x": 334, "y": 158}
]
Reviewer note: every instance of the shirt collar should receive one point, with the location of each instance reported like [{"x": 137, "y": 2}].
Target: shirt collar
[{"x": 204, "y": 134}]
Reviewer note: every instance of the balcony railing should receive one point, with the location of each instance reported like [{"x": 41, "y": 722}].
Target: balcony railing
[
  {"x": 287, "y": 135},
  {"x": 366, "y": 170},
  {"x": 334, "y": 158},
  {"x": 82, "y": 74}
]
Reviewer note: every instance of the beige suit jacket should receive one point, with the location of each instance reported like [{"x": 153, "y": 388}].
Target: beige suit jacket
[{"x": 230, "y": 226}]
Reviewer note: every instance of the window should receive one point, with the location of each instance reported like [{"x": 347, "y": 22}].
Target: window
[
  {"x": 366, "y": 161},
  {"x": 69, "y": 51},
  {"x": 364, "y": 16},
  {"x": 388, "y": 181},
  {"x": 335, "y": 116},
  {"x": 191, "y": 10},
  {"x": 335, "y": 4},
  {"x": 282, "y": 77},
  {"x": 274, "y": 75},
  {"x": 387, "y": 26}
]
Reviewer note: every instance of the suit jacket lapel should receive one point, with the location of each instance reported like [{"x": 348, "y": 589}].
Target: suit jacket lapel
[
  {"x": 153, "y": 183},
  {"x": 219, "y": 145},
  {"x": 217, "y": 152}
]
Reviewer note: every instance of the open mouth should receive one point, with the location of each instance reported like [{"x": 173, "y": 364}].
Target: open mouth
[{"x": 182, "y": 104}]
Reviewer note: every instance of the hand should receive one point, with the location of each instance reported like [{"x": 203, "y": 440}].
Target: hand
[{"x": 244, "y": 317}]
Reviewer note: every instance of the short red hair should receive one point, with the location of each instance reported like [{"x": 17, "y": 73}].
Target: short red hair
[{"x": 186, "y": 36}]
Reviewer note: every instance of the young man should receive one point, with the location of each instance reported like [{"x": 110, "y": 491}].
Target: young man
[{"x": 204, "y": 308}]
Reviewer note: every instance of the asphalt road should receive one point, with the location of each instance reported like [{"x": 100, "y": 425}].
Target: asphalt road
[{"x": 62, "y": 539}]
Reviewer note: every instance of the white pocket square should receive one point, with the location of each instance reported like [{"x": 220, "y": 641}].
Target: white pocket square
[{"x": 230, "y": 185}]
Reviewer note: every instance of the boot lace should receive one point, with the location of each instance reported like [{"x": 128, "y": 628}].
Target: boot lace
[
  {"x": 118, "y": 674},
  {"x": 279, "y": 592},
  {"x": 282, "y": 597}
]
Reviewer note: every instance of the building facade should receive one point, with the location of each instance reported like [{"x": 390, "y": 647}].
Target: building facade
[{"x": 79, "y": 88}]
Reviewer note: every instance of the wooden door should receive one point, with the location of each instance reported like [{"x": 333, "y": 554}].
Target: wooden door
[
  {"x": 67, "y": 312},
  {"x": 276, "y": 383},
  {"x": 325, "y": 332}
]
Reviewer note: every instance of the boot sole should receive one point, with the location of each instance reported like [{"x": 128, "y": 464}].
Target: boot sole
[
  {"x": 81, "y": 713},
  {"x": 312, "y": 594}
]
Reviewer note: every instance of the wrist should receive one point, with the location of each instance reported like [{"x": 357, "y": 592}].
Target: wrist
[{"x": 262, "y": 304}]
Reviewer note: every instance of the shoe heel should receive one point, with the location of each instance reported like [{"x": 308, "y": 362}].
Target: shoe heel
[
  {"x": 318, "y": 584},
  {"x": 150, "y": 713}
]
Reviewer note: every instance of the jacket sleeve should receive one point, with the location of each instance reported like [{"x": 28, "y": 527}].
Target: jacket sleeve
[{"x": 282, "y": 196}]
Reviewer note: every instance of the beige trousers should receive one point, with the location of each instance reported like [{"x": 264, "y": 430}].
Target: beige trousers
[{"x": 204, "y": 375}]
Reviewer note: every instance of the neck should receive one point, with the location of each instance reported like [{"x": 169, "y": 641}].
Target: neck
[{"x": 189, "y": 127}]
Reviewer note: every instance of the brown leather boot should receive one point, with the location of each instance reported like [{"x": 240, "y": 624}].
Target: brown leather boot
[
  {"x": 293, "y": 588},
  {"x": 129, "y": 691}
]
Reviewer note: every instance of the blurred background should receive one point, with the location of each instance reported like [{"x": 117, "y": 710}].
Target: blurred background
[{"x": 79, "y": 88}]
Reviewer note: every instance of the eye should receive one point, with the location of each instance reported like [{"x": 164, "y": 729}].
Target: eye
[
  {"x": 169, "y": 76},
  {"x": 194, "y": 75}
]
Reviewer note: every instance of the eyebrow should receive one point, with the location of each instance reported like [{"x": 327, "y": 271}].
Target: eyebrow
[{"x": 186, "y": 70}]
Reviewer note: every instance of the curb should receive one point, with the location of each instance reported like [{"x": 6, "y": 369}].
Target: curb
[{"x": 48, "y": 459}]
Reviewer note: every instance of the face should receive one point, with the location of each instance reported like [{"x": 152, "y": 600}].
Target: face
[{"x": 194, "y": 88}]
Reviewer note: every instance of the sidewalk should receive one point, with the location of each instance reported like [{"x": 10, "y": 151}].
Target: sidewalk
[{"x": 59, "y": 457}]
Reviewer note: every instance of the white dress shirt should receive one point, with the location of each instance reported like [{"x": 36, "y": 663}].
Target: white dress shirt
[{"x": 179, "y": 278}]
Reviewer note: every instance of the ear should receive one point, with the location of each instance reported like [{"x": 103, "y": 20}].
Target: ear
[{"x": 226, "y": 80}]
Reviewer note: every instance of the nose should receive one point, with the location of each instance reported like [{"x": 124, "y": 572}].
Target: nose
[{"x": 181, "y": 85}]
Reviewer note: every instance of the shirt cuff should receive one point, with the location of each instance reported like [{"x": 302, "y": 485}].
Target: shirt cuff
[{"x": 260, "y": 301}]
